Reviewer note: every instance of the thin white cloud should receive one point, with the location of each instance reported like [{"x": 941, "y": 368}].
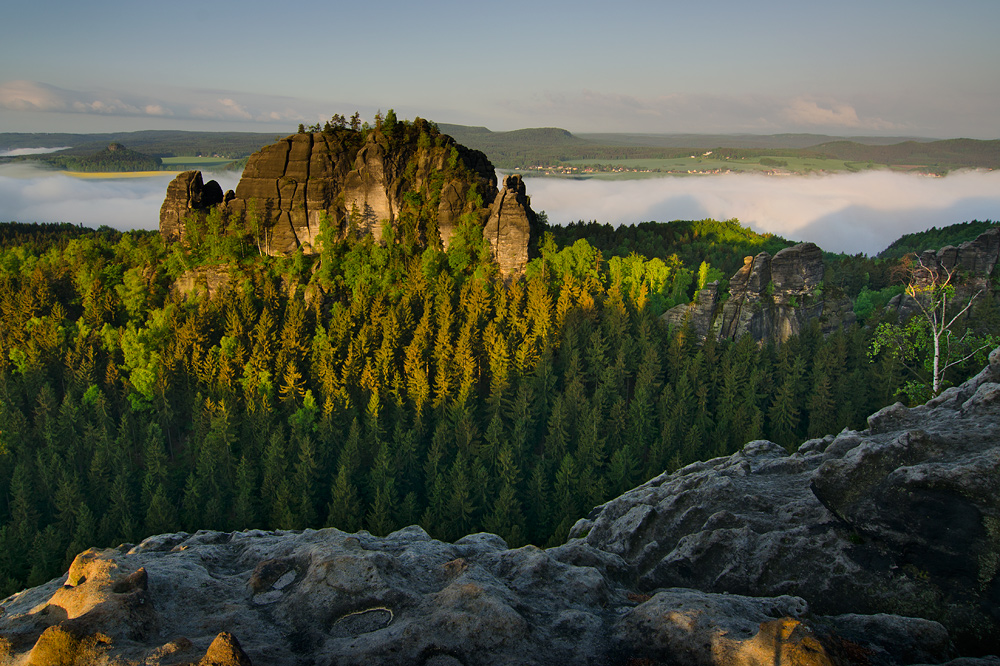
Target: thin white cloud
[
  {"x": 157, "y": 110},
  {"x": 808, "y": 112},
  {"x": 591, "y": 110},
  {"x": 17, "y": 152},
  {"x": 32, "y": 96},
  {"x": 183, "y": 104}
]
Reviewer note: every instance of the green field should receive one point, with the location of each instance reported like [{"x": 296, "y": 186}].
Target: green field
[
  {"x": 186, "y": 162},
  {"x": 709, "y": 164}
]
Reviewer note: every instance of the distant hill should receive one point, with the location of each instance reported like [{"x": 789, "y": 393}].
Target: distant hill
[
  {"x": 551, "y": 146},
  {"x": 158, "y": 143},
  {"x": 948, "y": 154},
  {"x": 554, "y": 146},
  {"x": 759, "y": 141},
  {"x": 114, "y": 158}
]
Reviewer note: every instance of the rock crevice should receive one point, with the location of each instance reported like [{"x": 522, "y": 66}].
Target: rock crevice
[
  {"x": 288, "y": 189},
  {"x": 881, "y": 544}
]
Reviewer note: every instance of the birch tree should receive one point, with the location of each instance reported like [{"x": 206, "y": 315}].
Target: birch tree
[{"x": 933, "y": 339}]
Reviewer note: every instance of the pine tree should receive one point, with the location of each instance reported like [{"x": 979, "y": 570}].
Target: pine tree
[
  {"x": 161, "y": 516},
  {"x": 245, "y": 503},
  {"x": 461, "y": 507}
]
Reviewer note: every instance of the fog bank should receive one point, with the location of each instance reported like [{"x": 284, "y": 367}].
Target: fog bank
[
  {"x": 841, "y": 213},
  {"x": 29, "y": 194},
  {"x": 17, "y": 152},
  {"x": 862, "y": 212}
]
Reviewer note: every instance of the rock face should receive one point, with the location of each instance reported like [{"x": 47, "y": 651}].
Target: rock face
[
  {"x": 977, "y": 258},
  {"x": 877, "y": 547},
  {"x": 972, "y": 265},
  {"x": 773, "y": 297},
  {"x": 358, "y": 184},
  {"x": 509, "y": 226},
  {"x": 901, "y": 518},
  {"x": 186, "y": 194},
  {"x": 770, "y": 298}
]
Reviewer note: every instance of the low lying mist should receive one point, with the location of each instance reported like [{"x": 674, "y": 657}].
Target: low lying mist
[
  {"x": 841, "y": 213},
  {"x": 30, "y": 194},
  {"x": 850, "y": 213},
  {"x": 17, "y": 152}
]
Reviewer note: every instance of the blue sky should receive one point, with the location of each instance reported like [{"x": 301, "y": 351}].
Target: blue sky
[{"x": 889, "y": 67}]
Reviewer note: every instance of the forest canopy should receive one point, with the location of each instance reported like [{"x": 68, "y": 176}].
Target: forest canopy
[{"x": 373, "y": 386}]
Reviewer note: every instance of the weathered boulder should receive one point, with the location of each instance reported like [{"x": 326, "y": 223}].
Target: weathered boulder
[
  {"x": 877, "y": 547},
  {"x": 330, "y": 597},
  {"x": 325, "y": 597},
  {"x": 902, "y": 518}
]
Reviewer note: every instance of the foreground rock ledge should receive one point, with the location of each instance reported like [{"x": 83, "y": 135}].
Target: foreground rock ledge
[{"x": 872, "y": 547}]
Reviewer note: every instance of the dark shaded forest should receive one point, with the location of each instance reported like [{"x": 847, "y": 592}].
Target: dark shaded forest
[
  {"x": 375, "y": 386},
  {"x": 934, "y": 238}
]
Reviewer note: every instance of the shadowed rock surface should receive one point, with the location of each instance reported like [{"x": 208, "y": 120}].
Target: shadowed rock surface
[
  {"x": 977, "y": 257},
  {"x": 876, "y": 547},
  {"x": 187, "y": 194},
  {"x": 972, "y": 264},
  {"x": 770, "y": 298},
  {"x": 903, "y": 517}
]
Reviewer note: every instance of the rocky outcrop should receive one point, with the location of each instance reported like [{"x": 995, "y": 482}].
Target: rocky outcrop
[
  {"x": 509, "y": 226},
  {"x": 969, "y": 268},
  {"x": 770, "y": 298},
  {"x": 329, "y": 597},
  {"x": 357, "y": 183},
  {"x": 901, "y": 518},
  {"x": 699, "y": 314},
  {"x": 206, "y": 280},
  {"x": 876, "y": 547},
  {"x": 976, "y": 258},
  {"x": 187, "y": 194}
]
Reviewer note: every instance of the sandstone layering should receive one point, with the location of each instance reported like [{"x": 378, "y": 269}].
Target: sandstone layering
[
  {"x": 770, "y": 298},
  {"x": 873, "y": 547},
  {"x": 358, "y": 183},
  {"x": 774, "y": 298}
]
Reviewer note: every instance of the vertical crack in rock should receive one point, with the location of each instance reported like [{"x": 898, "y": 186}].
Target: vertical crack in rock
[{"x": 370, "y": 176}]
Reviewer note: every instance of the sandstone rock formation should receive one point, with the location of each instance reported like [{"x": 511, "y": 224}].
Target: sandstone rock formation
[
  {"x": 901, "y": 518},
  {"x": 971, "y": 264},
  {"x": 877, "y": 547},
  {"x": 186, "y": 194},
  {"x": 358, "y": 184},
  {"x": 699, "y": 314},
  {"x": 509, "y": 226},
  {"x": 770, "y": 298},
  {"x": 207, "y": 280},
  {"x": 977, "y": 258}
]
